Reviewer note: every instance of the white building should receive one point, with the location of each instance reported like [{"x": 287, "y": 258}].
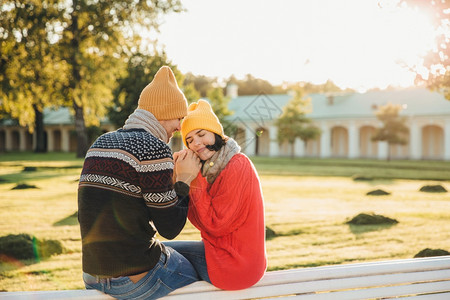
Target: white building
[
  {"x": 59, "y": 133},
  {"x": 347, "y": 122}
]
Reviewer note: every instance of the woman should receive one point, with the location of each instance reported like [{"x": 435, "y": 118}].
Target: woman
[{"x": 226, "y": 205}]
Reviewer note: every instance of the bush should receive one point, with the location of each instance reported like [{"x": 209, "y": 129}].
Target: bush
[
  {"x": 24, "y": 246},
  {"x": 427, "y": 252},
  {"x": 378, "y": 193},
  {"x": 433, "y": 189},
  {"x": 371, "y": 219}
]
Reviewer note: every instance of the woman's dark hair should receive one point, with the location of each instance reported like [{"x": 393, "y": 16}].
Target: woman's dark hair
[{"x": 218, "y": 144}]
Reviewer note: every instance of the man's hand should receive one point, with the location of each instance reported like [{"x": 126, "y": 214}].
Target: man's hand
[{"x": 187, "y": 165}]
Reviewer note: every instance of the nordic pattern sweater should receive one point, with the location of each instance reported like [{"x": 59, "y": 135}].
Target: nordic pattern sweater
[
  {"x": 125, "y": 196},
  {"x": 230, "y": 216}
]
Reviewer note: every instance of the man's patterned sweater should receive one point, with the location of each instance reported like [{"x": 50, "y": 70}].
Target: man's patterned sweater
[{"x": 125, "y": 195}]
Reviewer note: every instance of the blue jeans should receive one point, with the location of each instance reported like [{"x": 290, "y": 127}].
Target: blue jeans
[
  {"x": 194, "y": 251},
  {"x": 171, "y": 272}
]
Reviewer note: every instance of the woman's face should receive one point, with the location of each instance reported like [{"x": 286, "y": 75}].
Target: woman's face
[{"x": 198, "y": 139}]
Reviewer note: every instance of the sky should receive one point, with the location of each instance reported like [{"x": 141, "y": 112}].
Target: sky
[{"x": 358, "y": 44}]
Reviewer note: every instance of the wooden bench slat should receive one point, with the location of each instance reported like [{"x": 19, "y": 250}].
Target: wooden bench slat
[
  {"x": 430, "y": 276},
  {"x": 392, "y": 291},
  {"x": 360, "y": 269},
  {"x": 64, "y": 294},
  {"x": 435, "y": 296},
  {"x": 366, "y": 282},
  {"x": 355, "y": 271}
]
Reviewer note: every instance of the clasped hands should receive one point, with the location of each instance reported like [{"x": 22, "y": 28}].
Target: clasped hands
[{"x": 187, "y": 165}]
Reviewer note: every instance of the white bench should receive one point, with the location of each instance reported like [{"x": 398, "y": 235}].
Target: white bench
[{"x": 419, "y": 278}]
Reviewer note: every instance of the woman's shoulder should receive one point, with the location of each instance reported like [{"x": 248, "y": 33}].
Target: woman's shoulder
[{"x": 240, "y": 162}]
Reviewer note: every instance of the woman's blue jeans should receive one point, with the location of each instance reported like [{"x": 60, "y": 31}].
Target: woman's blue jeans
[
  {"x": 171, "y": 272},
  {"x": 194, "y": 251}
]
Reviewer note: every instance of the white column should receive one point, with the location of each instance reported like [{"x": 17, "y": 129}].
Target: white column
[
  {"x": 8, "y": 139},
  {"x": 50, "y": 140},
  {"x": 325, "y": 142},
  {"x": 250, "y": 141},
  {"x": 415, "y": 141},
  {"x": 299, "y": 148},
  {"x": 65, "y": 139},
  {"x": 22, "y": 140},
  {"x": 274, "y": 148},
  {"x": 447, "y": 140},
  {"x": 382, "y": 150},
  {"x": 353, "y": 141}
]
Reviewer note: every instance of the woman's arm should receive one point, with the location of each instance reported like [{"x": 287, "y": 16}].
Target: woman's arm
[{"x": 225, "y": 206}]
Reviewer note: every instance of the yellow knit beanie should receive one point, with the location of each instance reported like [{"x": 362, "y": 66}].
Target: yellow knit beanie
[
  {"x": 200, "y": 116},
  {"x": 162, "y": 97}
]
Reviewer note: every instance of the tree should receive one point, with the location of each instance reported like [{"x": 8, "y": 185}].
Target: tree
[
  {"x": 191, "y": 94},
  {"x": 141, "y": 69},
  {"x": 31, "y": 71},
  {"x": 91, "y": 39},
  {"x": 219, "y": 104},
  {"x": 97, "y": 34},
  {"x": 394, "y": 131},
  {"x": 293, "y": 123},
  {"x": 436, "y": 62},
  {"x": 201, "y": 83},
  {"x": 251, "y": 85}
]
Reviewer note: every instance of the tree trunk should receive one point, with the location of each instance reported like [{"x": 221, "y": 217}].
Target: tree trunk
[
  {"x": 39, "y": 129},
  {"x": 80, "y": 126}
]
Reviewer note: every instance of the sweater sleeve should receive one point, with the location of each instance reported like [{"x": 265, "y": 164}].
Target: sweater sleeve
[
  {"x": 166, "y": 202},
  {"x": 169, "y": 221},
  {"x": 226, "y": 210}
]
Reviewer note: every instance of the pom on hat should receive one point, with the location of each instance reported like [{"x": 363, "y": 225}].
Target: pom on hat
[
  {"x": 200, "y": 116},
  {"x": 162, "y": 97}
]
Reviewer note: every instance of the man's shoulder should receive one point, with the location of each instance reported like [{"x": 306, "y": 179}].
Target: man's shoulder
[{"x": 140, "y": 143}]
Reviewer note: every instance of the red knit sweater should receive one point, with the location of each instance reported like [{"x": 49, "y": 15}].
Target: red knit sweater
[{"x": 230, "y": 216}]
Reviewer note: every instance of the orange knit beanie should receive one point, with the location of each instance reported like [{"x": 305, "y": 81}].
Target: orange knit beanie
[
  {"x": 200, "y": 116},
  {"x": 162, "y": 97}
]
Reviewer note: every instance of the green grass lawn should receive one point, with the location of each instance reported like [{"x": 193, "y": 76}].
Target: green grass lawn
[{"x": 307, "y": 203}]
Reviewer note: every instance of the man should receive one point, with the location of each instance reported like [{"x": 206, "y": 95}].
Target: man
[{"x": 126, "y": 194}]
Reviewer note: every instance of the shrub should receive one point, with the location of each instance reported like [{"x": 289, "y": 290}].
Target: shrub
[
  {"x": 371, "y": 219},
  {"x": 433, "y": 189},
  {"x": 24, "y": 246},
  {"x": 377, "y": 192},
  {"x": 427, "y": 252}
]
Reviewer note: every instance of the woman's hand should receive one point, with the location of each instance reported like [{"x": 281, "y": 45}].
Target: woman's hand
[{"x": 187, "y": 165}]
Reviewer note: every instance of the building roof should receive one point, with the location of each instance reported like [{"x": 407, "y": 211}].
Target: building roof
[
  {"x": 58, "y": 116},
  {"x": 261, "y": 108},
  {"x": 415, "y": 102}
]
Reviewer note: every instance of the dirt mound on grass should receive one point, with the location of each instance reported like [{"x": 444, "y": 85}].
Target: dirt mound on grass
[
  {"x": 371, "y": 219},
  {"x": 377, "y": 192},
  {"x": 24, "y": 186},
  {"x": 24, "y": 246},
  {"x": 427, "y": 252},
  {"x": 433, "y": 189}
]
